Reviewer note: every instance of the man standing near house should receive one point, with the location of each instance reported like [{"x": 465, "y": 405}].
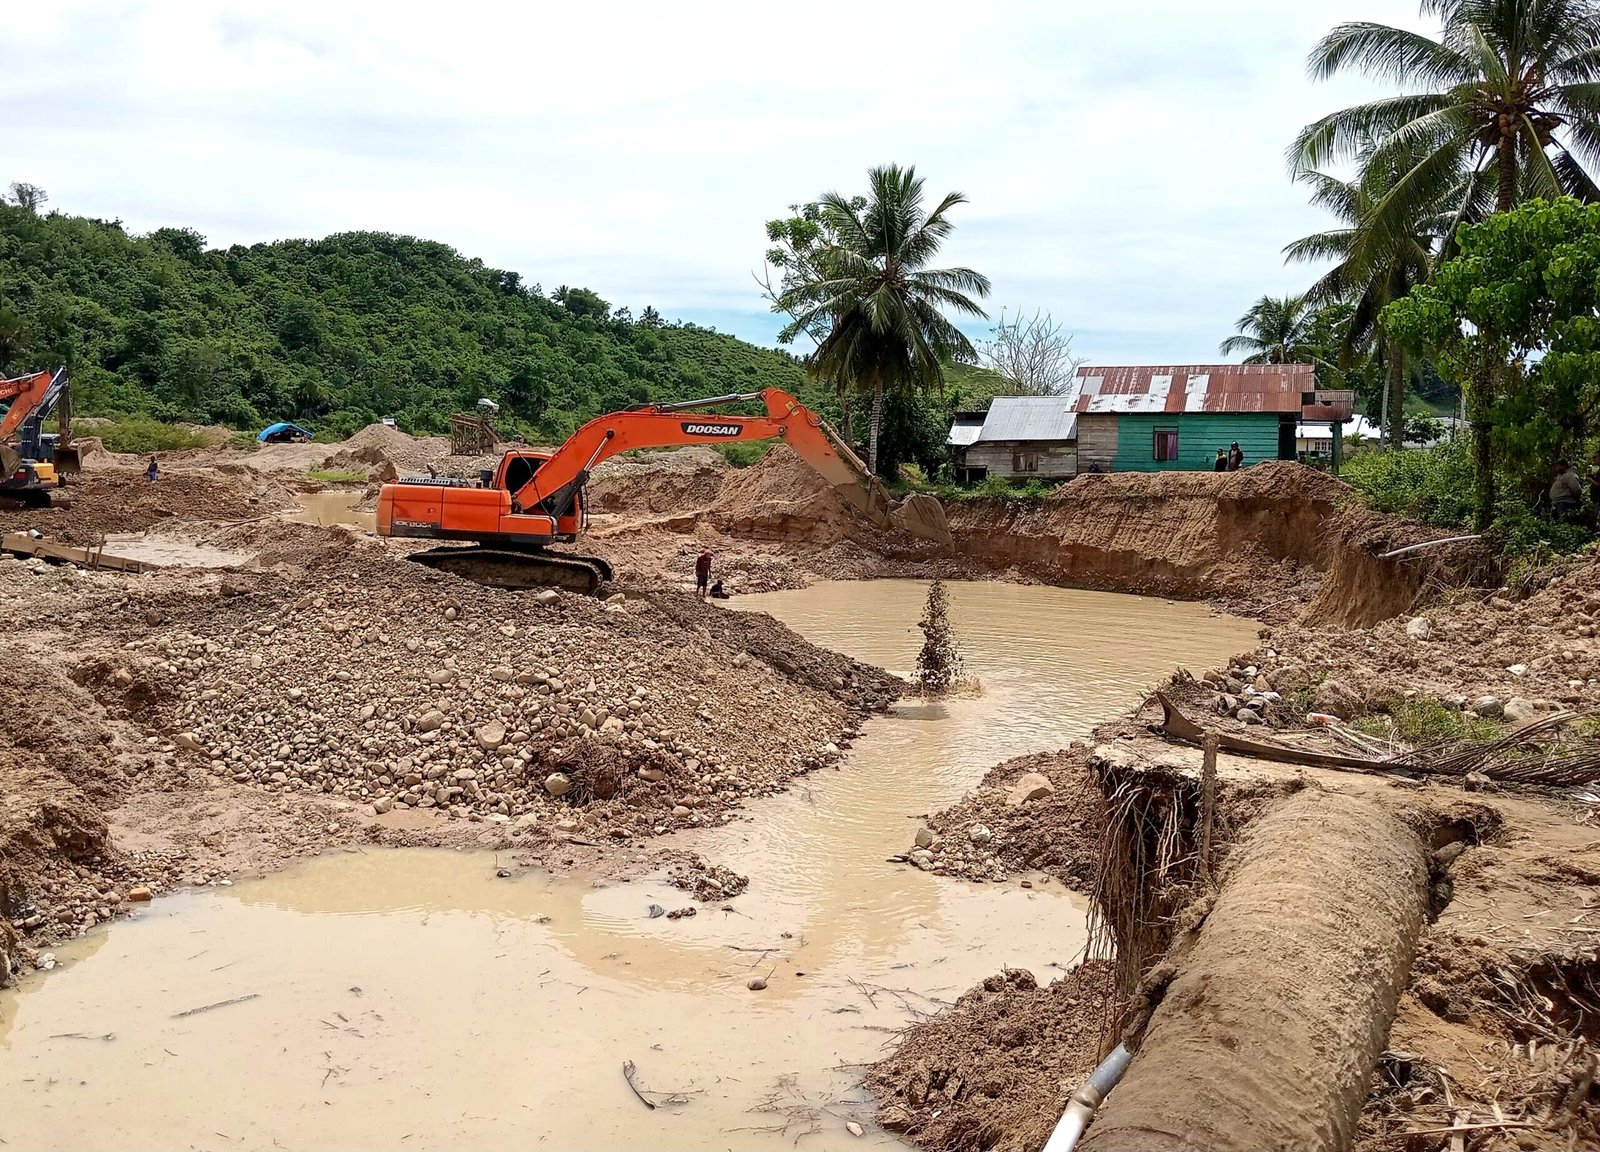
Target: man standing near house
[
  {"x": 1235, "y": 457},
  {"x": 702, "y": 574},
  {"x": 1566, "y": 492},
  {"x": 1222, "y": 461}
]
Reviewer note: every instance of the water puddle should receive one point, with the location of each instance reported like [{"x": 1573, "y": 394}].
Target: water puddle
[
  {"x": 332, "y": 507},
  {"x": 413, "y": 999},
  {"x": 171, "y": 551}
]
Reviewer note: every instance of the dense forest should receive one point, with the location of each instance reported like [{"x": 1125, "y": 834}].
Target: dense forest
[{"x": 338, "y": 332}]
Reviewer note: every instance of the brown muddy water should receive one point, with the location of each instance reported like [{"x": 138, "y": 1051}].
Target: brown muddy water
[
  {"x": 414, "y": 999},
  {"x": 331, "y": 507}
]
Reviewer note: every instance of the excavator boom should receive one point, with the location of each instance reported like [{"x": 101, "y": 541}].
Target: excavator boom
[{"x": 536, "y": 500}]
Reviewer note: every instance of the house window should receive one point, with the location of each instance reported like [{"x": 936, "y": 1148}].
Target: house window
[
  {"x": 1024, "y": 462},
  {"x": 1166, "y": 444}
]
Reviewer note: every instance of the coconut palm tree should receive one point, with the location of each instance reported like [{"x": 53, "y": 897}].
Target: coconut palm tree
[
  {"x": 1507, "y": 98},
  {"x": 882, "y": 303},
  {"x": 1274, "y": 331},
  {"x": 1372, "y": 268}
]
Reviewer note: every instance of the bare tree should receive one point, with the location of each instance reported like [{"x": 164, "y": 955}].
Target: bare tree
[
  {"x": 1032, "y": 355},
  {"x": 29, "y": 196}
]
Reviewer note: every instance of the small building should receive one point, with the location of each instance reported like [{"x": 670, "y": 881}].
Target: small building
[
  {"x": 1315, "y": 441},
  {"x": 1174, "y": 418},
  {"x": 1021, "y": 438}
]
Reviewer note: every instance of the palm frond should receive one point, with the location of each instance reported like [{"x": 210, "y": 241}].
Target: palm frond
[
  {"x": 1349, "y": 133},
  {"x": 1387, "y": 53}
]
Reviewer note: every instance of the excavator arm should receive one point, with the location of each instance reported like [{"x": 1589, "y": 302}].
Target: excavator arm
[{"x": 556, "y": 484}]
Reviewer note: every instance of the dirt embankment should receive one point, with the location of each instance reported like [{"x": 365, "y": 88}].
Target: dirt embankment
[{"x": 213, "y": 721}]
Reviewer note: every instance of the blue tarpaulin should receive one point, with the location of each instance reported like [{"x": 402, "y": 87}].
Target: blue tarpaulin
[{"x": 281, "y": 431}]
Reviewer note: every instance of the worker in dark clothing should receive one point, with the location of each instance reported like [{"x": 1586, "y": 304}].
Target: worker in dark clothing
[
  {"x": 152, "y": 472},
  {"x": 1222, "y": 461},
  {"x": 702, "y": 574},
  {"x": 1235, "y": 457},
  {"x": 1566, "y": 492},
  {"x": 718, "y": 592}
]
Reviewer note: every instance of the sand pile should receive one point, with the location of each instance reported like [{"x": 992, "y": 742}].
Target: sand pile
[
  {"x": 783, "y": 498},
  {"x": 380, "y": 445},
  {"x": 679, "y": 480}
]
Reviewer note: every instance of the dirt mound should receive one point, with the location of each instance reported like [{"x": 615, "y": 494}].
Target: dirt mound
[
  {"x": 106, "y": 501},
  {"x": 681, "y": 480},
  {"x": 996, "y": 1069},
  {"x": 783, "y": 498},
  {"x": 380, "y": 445},
  {"x": 1057, "y": 833}
]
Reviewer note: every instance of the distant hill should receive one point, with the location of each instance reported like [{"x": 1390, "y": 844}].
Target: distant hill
[{"x": 338, "y": 332}]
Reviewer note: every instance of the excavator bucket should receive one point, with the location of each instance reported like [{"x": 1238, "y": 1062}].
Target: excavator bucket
[
  {"x": 68, "y": 461},
  {"x": 918, "y": 515}
]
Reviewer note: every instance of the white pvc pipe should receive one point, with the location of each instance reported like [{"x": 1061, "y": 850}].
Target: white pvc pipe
[
  {"x": 1086, "y": 1101},
  {"x": 1426, "y": 544}
]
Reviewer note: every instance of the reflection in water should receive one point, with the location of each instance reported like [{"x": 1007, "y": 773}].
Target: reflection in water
[{"x": 413, "y": 999}]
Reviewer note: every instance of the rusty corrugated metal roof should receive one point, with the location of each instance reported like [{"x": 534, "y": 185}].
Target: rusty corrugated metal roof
[{"x": 1194, "y": 388}]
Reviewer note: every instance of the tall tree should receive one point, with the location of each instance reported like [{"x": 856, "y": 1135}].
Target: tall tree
[
  {"x": 1373, "y": 268},
  {"x": 1506, "y": 99},
  {"x": 1033, "y": 355},
  {"x": 1274, "y": 331},
  {"x": 1509, "y": 94},
  {"x": 887, "y": 331}
]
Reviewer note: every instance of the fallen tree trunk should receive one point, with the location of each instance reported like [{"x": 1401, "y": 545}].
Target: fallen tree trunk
[{"x": 1280, "y": 1003}]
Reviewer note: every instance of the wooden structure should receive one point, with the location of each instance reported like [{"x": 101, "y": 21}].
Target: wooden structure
[
  {"x": 1020, "y": 438},
  {"x": 21, "y": 544},
  {"x": 1174, "y": 418},
  {"x": 471, "y": 434}
]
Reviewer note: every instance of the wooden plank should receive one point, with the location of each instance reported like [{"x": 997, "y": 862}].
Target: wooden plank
[{"x": 21, "y": 544}]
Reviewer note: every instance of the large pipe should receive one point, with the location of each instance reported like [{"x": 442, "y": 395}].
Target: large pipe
[
  {"x": 1279, "y": 1004},
  {"x": 1086, "y": 1100}
]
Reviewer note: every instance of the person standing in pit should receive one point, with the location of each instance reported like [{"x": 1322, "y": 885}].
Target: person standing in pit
[
  {"x": 702, "y": 574},
  {"x": 153, "y": 471}
]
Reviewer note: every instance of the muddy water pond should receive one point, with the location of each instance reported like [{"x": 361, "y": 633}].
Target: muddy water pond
[
  {"x": 417, "y": 999},
  {"x": 332, "y": 506}
]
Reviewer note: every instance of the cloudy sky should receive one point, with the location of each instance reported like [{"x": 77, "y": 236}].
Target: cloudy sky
[{"x": 1125, "y": 165}]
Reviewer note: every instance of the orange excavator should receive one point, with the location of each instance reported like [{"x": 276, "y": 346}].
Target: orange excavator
[
  {"x": 31, "y": 459},
  {"x": 535, "y": 499}
]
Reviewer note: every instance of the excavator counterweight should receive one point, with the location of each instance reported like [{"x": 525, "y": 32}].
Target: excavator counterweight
[{"x": 535, "y": 499}]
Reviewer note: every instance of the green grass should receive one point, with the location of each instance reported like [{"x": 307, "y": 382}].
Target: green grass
[
  {"x": 998, "y": 489},
  {"x": 1423, "y": 720},
  {"x": 337, "y": 477},
  {"x": 744, "y": 454},
  {"x": 140, "y": 434}
]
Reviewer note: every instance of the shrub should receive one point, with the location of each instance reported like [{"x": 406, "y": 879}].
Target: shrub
[
  {"x": 742, "y": 455},
  {"x": 1433, "y": 485},
  {"x": 138, "y": 433}
]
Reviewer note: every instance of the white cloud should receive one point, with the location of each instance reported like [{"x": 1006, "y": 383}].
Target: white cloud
[{"x": 1125, "y": 164}]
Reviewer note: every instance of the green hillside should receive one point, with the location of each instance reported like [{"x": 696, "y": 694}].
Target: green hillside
[{"x": 335, "y": 333}]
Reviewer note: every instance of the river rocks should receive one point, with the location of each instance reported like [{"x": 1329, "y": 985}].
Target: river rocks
[
  {"x": 652, "y": 775},
  {"x": 1337, "y": 698},
  {"x": 1489, "y": 707},
  {"x": 430, "y": 721},
  {"x": 139, "y": 894},
  {"x": 558, "y": 784},
  {"x": 924, "y": 837},
  {"x": 1031, "y": 786},
  {"x": 980, "y": 834},
  {"x": 1248, "y": 716},
  {"x": 1419, "y": 628},
  {"x": 1520, "y": 711},
  {"x": 491, "y": 735},
  {"x": 452, "y": 612},
  {"x": 189, "y": 742},
  {"x": 853, "y": 1128},
  {"x": 545, "y": 597},
  {"x": 755, "y": 983}
]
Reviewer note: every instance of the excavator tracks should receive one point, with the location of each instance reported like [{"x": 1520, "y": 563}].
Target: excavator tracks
[{"x": 506, "y": 568}]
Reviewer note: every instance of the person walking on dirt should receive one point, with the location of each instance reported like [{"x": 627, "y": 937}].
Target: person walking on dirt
[
  {"x": 1566, "y": 492},
  {"x": 1235, "y": 457},
  {"x": 152, "y": 472},
  {"x": 1222, "y": 461},
  {"x": 702, "y": 574}
]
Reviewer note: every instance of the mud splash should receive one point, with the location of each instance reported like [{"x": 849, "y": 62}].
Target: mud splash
[{"x": 418, "y": 999}]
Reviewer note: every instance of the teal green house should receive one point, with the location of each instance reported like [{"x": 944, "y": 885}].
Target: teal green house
[{"x": 1174, "y": 418}]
